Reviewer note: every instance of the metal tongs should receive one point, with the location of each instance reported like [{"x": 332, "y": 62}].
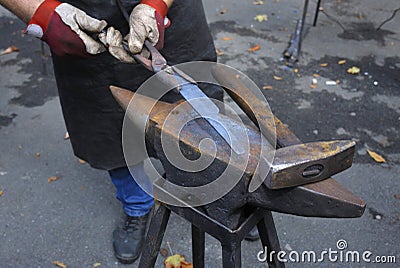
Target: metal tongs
[{"x": 189, "y": 90}]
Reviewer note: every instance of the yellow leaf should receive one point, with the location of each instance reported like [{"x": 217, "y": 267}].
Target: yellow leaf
[
  {"x": 324, "y": 64},
  {"x": 174, "y": 261},
  {"x": 353, "y": 70},
  {"x": 51, "y": 179},
  {"x": 255, "y": 48},
  {"x": 341, "y": 62},
  {"x": 226, "y": 38},
  {"x": 9, "y": 50},
  {"x": 378, "y": 158},
  {"x": 97, "y": 264},
  {"x": 261, "y": 18},
  {"x": 59, "y": 264},
  {"x": 267, "y": 87},
  {"x": 278, "y": 78},
  {"x": 316, "y": 75}
]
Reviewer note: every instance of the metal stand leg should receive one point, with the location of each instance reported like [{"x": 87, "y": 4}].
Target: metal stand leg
[
  {"x": 231, "y": 256},
  {"x": 316, "y": 13},
  {"x": 154, "y": 237},
  {"x": 269, "y": 239},
  {"x": 198, "y": 247}
]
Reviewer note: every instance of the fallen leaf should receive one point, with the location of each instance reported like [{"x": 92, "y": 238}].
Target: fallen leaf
[
  {"x": 59, "y": 264},
  {"x": 37, "y": 155},
  {"x": 341, "y": 62},
  {"x": 267, "y": 87},
  {"x": 278, "y": 78},
  {"x": 219, "y": 52},
  {"x": 223, "y": 11},
  {"x": 258, "y": 2},
  {"x": 177, "y": 261},
  {"x": 261, "y": 18},
  {"x": 9, "y": 50},
  {"x": 397, "y": 196},
  {"x": 312, "y": 86},
  {"x": 255, "y": 48},
  {"x": 316, "y": 75},
  {"x": 164, "y": 252},
  {"x": 81, "y": 161},
  {"x": 378, "y": 158},
  {"x": 295, "y": 70},
  {"x": 1, "y": 193},
  {"x": 353, "y": 70},
  {"x": 323, "y": 64},
  {"x": 97, "y": 264},
  {"x": 226, "y": 38},
  {"x": 51, "y": 179},
  {"x": 66, "y": 136},
  {"x": 237, "y": 76}
]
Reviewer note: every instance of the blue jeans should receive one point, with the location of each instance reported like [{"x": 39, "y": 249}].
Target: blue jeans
[{"x": 134, "y": 200}]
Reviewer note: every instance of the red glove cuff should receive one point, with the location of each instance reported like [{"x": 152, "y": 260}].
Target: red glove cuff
[
  {"x": 159, "y": 5},
  {"x": 43, "y": 13}
]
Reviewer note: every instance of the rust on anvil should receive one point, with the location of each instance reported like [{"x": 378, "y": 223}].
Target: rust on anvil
[{"x": 325, "y": 198}]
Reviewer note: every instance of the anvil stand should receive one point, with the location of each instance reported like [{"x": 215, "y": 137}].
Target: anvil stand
[{"x": 230, "y": 239}]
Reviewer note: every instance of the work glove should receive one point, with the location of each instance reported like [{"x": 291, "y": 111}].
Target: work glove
[
  {"x": 147, "y": 22},
  {"x": 65, "y": 29}
]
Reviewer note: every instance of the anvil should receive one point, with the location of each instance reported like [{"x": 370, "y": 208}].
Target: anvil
[{"x": 281, "y": 191}]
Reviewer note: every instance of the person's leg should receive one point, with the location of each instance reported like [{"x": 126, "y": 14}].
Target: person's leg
[{"x": 128, "y": 240}]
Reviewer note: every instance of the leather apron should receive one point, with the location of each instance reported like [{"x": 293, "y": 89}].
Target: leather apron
[{"x": 92, "y": 116}]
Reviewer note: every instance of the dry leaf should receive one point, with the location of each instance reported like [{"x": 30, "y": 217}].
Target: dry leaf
[
  {"x": 1, "y": 193},
  {"x": 177, "y": 261},
  {"x": 219, "y": 52},
  {"x": 261, "y": 18},
  {"x": 378, "y": 158},
  {"x": 323, "y": 64},
  {"x": 341, "y": 62},
  {"x": 316, "y": 75},
  {"x": 97, "y": 264},
  {"x": 267, "y": 87},
  {"x": 353, "y": 70},
  {"x": 9, "y": 50},
  {"x": 59, "y": 264},
  {"x": 37, "y": 155},
  {"x": 66, "y": 136},
  {"x": 237, "y": 76},
  {"x": 226, "y": 38},
  {"x": 397, "y": 196},
  {"x": 223, "y": 11},
  {"x": 255, "y": 48},
  {"x": 51, "y": 179},
  {"x": 278, "y": 78},
  {"x": 81, "y": 161},
  {"x": 258, "y": 2},
  {"x": 295, "y": 70},
  {"x": 312, "y": 86}
]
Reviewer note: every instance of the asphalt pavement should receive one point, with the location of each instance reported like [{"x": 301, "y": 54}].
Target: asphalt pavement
[{"x": 71, "y": 218}]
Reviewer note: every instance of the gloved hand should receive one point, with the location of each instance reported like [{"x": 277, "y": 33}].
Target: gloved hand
[
  {"x": 147, "y": 22},
  {"x": 64, "y": 28}
]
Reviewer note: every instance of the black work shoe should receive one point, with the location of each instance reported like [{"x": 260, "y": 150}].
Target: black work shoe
[
  {"x": 252, "y": 235},
  {"x": 128, "y": 240}
]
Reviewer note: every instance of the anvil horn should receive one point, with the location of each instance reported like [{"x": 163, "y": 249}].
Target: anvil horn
[{"x": 326, "y": 198}]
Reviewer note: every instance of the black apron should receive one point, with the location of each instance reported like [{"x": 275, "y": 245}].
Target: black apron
[{"x": 93, "y": 118}]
